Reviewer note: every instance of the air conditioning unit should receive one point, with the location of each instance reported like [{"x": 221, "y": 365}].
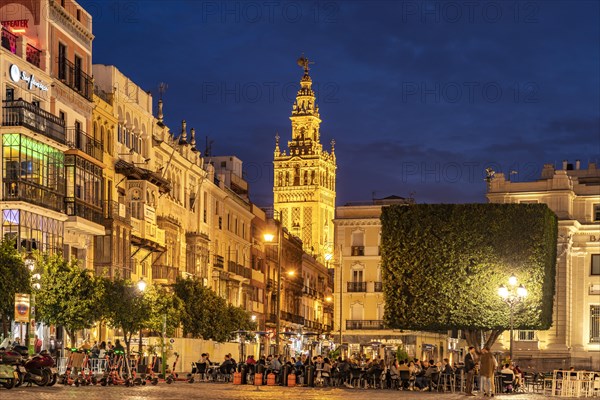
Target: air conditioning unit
[{"x": 594, "y": 289}]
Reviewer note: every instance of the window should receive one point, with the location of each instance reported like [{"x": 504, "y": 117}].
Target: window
[
  {"x": 62, "y": 65},
  {"x": 9, "y": 95},
  {"x": 78, "y": 15},
  {"x": 595, "y": 324},
  {"x": 35, "y": 103},
  {"x": 357, "y": 275},
  {"x": 595, "y": 264},
  {"x": 62, "y": 115},
  {"x": 526, "y": 336},
  {"x": 596, "y": 212},
  {"x": 223, "y": 164},
  {"x": 77, "y": 71}
]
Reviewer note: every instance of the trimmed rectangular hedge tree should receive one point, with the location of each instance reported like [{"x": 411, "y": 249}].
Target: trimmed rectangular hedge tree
[{"x": 442, "y": 265}]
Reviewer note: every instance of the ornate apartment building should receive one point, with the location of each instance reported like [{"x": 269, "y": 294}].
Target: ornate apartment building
[
  {"x": 304, "y": 175},
  {"x": 359, "y": 299},
  {"x": 52, "y": 166},
  {"x": 574, "y": 195}
]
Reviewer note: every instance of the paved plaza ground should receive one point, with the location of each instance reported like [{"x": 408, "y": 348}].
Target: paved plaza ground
[{"x": 183, "y": 390}]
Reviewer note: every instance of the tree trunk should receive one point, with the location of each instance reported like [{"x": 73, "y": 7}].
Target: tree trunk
[
  {"x": 5, "y": 322},
  {"x": 71, "y": 334},
  {"x": 474, "y": 337}
]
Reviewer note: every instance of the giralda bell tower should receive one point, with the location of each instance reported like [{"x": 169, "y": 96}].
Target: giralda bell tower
[{"x": 304, "y": 175}]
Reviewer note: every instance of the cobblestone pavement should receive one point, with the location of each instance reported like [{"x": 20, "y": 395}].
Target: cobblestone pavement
[{"x": 183, "y": 390}]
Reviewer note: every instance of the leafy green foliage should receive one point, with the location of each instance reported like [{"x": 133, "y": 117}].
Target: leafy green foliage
[
  {"x": 401, "y": 354},
  {"x": 69, "y": 295},
  {"x": 130, "y": 310},
  {"x": 208, "y": 316},
  {"x": 442, "y": 265},
  {"x": 15, "y": 279}
]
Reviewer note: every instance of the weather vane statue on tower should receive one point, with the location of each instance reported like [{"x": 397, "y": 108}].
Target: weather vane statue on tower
[{"x": 304, "y": 62}]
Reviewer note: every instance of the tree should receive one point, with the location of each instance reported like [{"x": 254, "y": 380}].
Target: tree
[
  {"x": 15, "y": 279},
  {"x": 208, "y": 316},
  {"x": 70, "y": 296},
  {"x": 130, "y": 310},
  {"x": 442, "y": 266}
]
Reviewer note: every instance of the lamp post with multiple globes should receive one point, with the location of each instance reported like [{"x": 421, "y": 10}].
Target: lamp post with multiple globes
[{"x": 512, "y": 295}]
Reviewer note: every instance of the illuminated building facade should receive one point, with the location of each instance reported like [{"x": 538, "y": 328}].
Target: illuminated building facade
[
  {"x": 304, "y": 176},
  {"x": 574, "y": 338},
  {"x": 52, "y": 194}
]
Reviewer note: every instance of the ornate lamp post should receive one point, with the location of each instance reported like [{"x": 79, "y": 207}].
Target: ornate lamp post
[
  {"x": 141, "y": 285},
  {"x": 31, "y": 264},
  {"x": 269, "y": 237},
  {"x": 512, "y": 295}
]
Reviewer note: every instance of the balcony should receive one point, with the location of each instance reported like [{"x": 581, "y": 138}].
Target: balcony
[
  {"x": 77, "y": 208},
  {"x": 309, "y": 291},
  {"x": 165, "y": 272},
  {"x": 9, "y": 40},
  {"x": 73, "y": 76},
  {"x": 22, "y": 113},
  {"x": 146, "y": 234},
  {"x": 272, "y": 318},
  {"x": 78, "y": 139},
  {"x": 373, "y": 324},
  {"x": 378, "y": 286},
  {"x": 218, "y": 262},
  {"x": 116, "y": 210},
  {"x": 358, "y": 250},
  {"x": 33, "y": 55},
  {"x": 357, "y": 287},
  {"x": 22, "y": 190}
]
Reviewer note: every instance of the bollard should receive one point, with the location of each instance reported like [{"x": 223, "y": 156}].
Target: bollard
[
  {"x": 271, "y": 379},
  {"x": 244, "y": 372},
  {"x": 284, "y": 375},
  {"x": 310, "y": 376}
]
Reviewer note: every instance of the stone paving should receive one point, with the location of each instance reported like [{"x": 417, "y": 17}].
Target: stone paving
[{"x": 183, "y": 390}]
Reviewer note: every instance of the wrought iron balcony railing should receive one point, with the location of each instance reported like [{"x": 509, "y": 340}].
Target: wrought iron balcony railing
[
  {"x": 78, "y": 139},
  {"x": 378, "y": 286},
  {"x": 364, "y": 324},
  {"x": 9, "y": 40},
  {"x": 357, "y": 287},
  {"x": 74, "y": 77},
  {"x": 76, "y": 207},
  {"x": 33, "y": 55},
  {"x": 23, "y": 190},
  {"x": 22, "y": 113}
]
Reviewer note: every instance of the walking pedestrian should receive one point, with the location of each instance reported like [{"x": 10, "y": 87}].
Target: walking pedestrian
[{"x": 469, "y": 371}]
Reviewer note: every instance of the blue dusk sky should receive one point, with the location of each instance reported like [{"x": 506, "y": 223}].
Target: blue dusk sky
[{"x": 420, "y": 96}]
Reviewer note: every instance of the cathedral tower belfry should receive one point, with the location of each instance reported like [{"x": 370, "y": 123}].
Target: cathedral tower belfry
[{"x": 304, "y": 175}]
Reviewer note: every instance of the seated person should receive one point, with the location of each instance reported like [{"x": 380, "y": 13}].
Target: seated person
[
  {"x": 430, "y": 375},
  {"x": 274, "y": 364},
  {"x": 508, "y": 382},
  {"x": 446, "y": 367},
  {"x": 344, "y": 369},
  {"x": 420, "y": 380}
]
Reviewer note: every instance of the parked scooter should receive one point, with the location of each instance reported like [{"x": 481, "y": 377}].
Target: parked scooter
[
  {"x": 41, "y": 370},
  {"x": 8, "y": 372},
  {"x": 14, "y": 360}
]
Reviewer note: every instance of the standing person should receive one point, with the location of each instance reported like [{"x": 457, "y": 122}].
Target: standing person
[
  {"x": 488, "y": 365},
  {"x": 38, "y": 344},
  {"x": 469, "y": 371}
]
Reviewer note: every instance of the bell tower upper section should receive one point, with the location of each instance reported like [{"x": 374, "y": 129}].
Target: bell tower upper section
[{"x": 304, "y": 174}]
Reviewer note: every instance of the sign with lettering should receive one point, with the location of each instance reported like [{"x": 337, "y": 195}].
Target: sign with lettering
[
  {"x": 16, "y": 23},
  {"x": 16, "y": 75},
  {"x": 594, "y": 238},
  {"x": 21, "y": 307}
]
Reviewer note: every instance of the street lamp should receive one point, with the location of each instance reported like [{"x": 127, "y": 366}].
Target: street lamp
[
  {"x": 269, "y": 237},
  {"x": 31, "y": 264},
  {"x": 141, "y": 285},
  {"x": 512, "y": 295}
]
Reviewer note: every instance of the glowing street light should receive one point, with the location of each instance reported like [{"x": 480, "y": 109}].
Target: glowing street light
[
  {"x": 512, "y": 295},
  {"x": 269, "y": 238}
]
